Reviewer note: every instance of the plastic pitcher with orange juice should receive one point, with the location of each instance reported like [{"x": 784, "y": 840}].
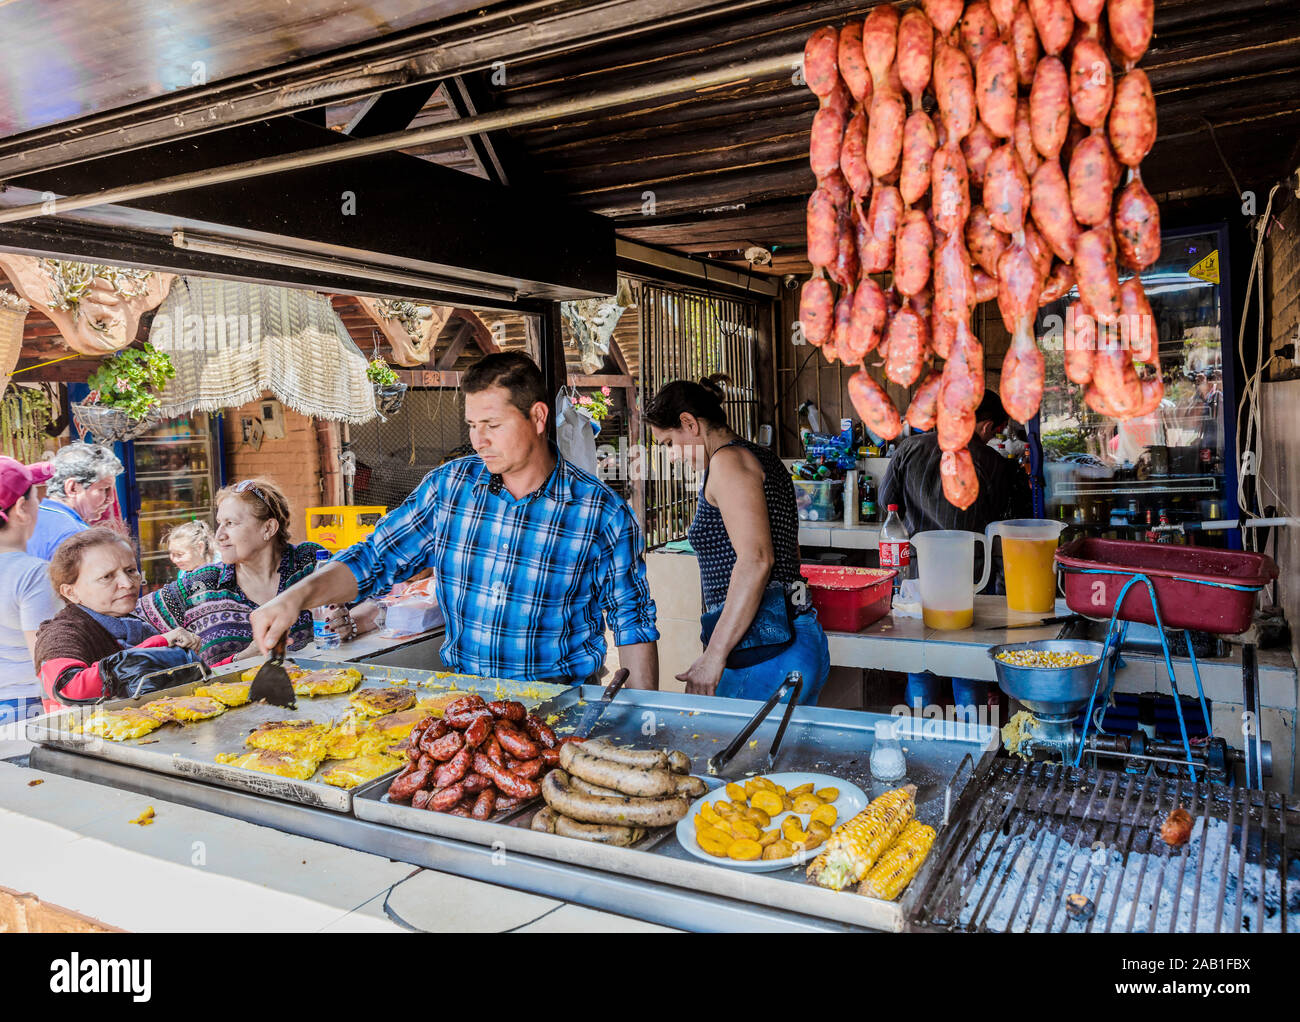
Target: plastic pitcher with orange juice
[
  {"x": 1028, "y": 562},
  {"x": 946, "y": 562}
]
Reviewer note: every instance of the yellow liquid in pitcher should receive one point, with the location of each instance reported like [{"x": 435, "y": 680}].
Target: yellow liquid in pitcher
[
  {"x": 947, "y": 620},
  {"x": 1030, "y": 574}
]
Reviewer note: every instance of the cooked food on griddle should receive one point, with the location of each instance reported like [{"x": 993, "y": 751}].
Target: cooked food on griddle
[
  {"x": 375, "y": 702},
  {"x": 354, "y": 738},
  {"x": 299, "y": 764},
  {"x": 184, "y": 709},
  {"x": 434, "y": 705},
  {"x": 348, "y": 773},
  {"x": 118, "y": 725},
  {"x": 327, "y": 681},
  {"x": 396, "y": 726},
  {"x": 229, "y": 693},
  {"x": 290, "y": 668},
  {"x": 288, "y": 734}
]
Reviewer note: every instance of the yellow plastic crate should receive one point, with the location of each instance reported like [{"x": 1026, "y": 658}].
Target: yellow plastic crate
[{"x": 337, "y": 528}]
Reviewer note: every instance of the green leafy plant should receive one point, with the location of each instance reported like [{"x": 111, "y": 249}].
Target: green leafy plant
[
  {"x": 131, "y": 379},
  {"x": 598, "y": 406},
  {"x": 1057, "y": 443},
  {"x": 380, "y": 373},
  {"x": 24, "y": 414}
]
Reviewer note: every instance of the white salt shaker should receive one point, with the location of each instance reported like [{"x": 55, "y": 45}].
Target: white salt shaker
[{"x": 887, "y": 761}]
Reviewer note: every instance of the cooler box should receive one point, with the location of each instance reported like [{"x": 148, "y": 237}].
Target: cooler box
[
  {"x": 337, "y": 528},
  {"x": 849, "y": 599},
  {"x": 819, "y": 500}
]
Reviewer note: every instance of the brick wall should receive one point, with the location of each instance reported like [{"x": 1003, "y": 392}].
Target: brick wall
[
  {"x": 292, "y": 463},
  {"x": 1283, "y": 291}
]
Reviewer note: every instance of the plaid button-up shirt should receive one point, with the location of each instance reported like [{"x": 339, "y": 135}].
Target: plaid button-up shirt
[{"x": 522, "y": 583}]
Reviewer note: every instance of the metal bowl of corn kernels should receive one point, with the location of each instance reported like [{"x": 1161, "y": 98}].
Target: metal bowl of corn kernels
[{"x": 1051, "y": 677}]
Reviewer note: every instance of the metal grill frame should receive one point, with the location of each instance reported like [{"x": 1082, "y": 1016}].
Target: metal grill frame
[
  {"x": 688, "y": 334},
  {"x": 1122, "y": 810}
]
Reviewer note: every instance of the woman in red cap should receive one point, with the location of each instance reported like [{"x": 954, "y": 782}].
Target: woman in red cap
[{"x": 26, "y": 597}]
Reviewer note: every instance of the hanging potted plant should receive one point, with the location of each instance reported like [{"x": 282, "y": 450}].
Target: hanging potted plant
[
  {"x": 124, "y": 395},
  {"x": 597, "y": 406},
  {"x": 389, "y": 391}
]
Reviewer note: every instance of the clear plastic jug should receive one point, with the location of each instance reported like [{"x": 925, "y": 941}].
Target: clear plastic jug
[
  {"x": 946, "y": 562},
  {"x": 1028, "y": 564}
]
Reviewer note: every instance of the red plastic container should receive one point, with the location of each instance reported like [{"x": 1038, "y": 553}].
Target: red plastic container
[
  {"x": 849, "y": 599},
  {"x": 1095, "y": 570}
]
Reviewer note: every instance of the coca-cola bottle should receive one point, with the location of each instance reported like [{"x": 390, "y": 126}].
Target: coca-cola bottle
[{"x": 895, "y": 547}]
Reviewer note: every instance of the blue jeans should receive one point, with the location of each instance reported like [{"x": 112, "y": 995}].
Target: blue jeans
[
  {"x": 15, "y": 711},
  {"x": 967, "y": 694},
  {"x": 809, "y": 655}
]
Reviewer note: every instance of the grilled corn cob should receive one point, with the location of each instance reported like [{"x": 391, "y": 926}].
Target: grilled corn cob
[
  {"x": 854, "y": 847},
  {"x": 894, "y": 870}
]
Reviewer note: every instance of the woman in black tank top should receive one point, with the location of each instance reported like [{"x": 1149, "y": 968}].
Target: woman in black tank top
[{"x": 746, "y": 538}]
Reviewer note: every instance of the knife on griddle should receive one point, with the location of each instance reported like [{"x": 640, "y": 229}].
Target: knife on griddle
[
  {"x": 271, "y": 682},
  {"x": 597, "y": 709}
]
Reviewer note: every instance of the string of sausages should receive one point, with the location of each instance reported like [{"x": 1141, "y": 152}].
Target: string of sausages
[
  {"x": 480, "y": 758},
  {"x": 996, "y": 177}
]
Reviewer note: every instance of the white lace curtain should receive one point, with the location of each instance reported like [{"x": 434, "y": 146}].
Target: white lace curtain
[{"x": 231, "y": 342}]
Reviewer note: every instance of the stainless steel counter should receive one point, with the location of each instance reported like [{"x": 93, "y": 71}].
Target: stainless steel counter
[{"x": 663, "y": 883}]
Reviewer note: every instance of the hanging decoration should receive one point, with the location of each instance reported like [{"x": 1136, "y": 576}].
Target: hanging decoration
[
  {"x": 96, "y": 308},
  {"x": 24, "y": 414},
  {"x": 591, "y": 324},
  {"x": 13, "y": 313},
  {"x": 123, "y": 399},
  {"x": 232, "y": 342},
  {"x": 389, "y": 390},
  {"x": 411, "y": 328}
]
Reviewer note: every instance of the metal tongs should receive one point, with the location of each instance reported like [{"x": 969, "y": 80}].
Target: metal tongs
[
  {"x": 793, "y": 680},
  {"x": 272, "y": 681}
]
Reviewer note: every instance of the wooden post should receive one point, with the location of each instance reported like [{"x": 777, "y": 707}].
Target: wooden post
[{"x": 633, "y": 429}]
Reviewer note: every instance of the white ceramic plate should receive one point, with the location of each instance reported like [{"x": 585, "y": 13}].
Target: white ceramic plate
[{"x": 852, "y": 801}]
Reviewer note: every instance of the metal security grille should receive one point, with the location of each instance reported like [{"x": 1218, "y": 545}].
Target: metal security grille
[
  {"x": 687, "y": 335},
  {"x": 393, "y": 456}
]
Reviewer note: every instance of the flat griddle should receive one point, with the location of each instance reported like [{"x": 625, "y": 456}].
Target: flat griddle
[{"x": 190, "y": 750}]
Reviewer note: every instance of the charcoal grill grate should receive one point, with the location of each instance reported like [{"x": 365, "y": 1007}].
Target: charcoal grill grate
[{"x": 1025, "y": 836}]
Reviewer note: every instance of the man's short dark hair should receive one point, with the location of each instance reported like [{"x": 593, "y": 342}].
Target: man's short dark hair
[
  {"x": 514, "y": 371},
  {"x": 990, "y": 410}
]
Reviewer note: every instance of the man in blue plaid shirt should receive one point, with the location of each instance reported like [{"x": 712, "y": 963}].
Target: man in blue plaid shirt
[{"x": 530, "y": 554}]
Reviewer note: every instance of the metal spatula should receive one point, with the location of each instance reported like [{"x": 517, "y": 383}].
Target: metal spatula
[{"x": 272, "y": 680}]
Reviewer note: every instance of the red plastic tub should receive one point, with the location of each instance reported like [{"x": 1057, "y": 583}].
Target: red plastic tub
[
  {"x": 849, "y": 599},
  {"x": 1095, "y": 570}
]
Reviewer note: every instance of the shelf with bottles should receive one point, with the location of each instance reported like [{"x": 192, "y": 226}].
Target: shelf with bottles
[
  {"x": 177, "y": 493},
  {"x": 171, "y": 441},
  {"x": 183, "y": 428},
  {"x": 185, "y": 459}
]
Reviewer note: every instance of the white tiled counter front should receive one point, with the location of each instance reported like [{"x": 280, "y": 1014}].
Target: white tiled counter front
[{"x": 70, "y": 843}]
